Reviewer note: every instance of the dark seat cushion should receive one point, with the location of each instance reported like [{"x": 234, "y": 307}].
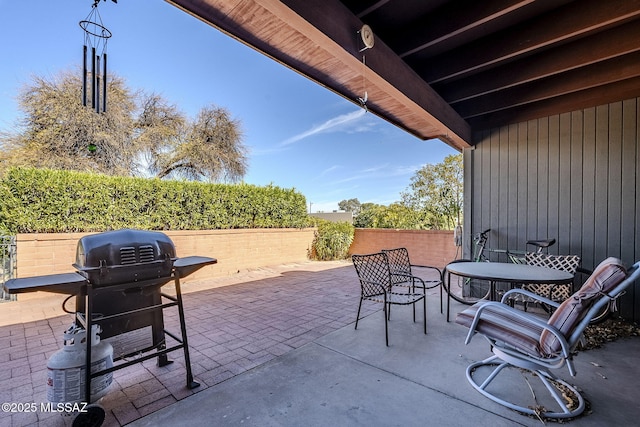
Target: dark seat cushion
[
  {"x": 505, "y": 327},
  {"x": 607, "y": 275}
]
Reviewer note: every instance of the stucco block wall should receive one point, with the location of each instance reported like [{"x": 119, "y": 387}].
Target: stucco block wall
[
  {"x": 426, "y": 247},
  {"x": 235, "y": 250}
]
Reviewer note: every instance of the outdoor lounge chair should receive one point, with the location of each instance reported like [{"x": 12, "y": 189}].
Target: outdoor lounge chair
[
  {"x": 524, "y": 340},
  {"x": 375, "y": 278},
  {"x": 402, "y": 275}
]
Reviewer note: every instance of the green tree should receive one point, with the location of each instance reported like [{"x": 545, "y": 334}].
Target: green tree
[
  {"x": 138, "y": 133},
  {"x": 399, "y": 216},
  {"x": 351, "y": 205},
  {"x": 396, "y": 215},
  {"x": 436, "y": 191},
  {"x": 368, "y": 216}
]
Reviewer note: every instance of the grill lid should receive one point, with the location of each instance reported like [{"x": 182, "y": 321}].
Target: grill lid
[{"x": 124, "y": 256}]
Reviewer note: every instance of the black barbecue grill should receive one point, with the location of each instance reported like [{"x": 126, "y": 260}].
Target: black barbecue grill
[{"x": 118, "y": 286}]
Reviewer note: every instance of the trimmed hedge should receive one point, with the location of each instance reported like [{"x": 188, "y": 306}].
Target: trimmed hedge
[{"x": 54, "y": 201}]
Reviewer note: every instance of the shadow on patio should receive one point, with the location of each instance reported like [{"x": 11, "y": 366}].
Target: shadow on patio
[{"x": 279, "y": 348}]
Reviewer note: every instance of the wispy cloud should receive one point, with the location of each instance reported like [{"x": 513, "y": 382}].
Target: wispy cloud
[
  {"x": 266, "y": 151},
  {"x": 375, "y": 169},
  {"x": 329, "y": 170},
  {"x": 343, "y": 122},
  {"x": 380, "y": 171}
]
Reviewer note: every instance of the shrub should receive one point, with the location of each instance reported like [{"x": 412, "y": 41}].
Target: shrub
[
  {"x": 332, "y": 240},
  {"x": 54, "y": 201}
]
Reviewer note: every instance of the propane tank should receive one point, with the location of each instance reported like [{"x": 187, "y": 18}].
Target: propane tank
[{"x": 66, "y": 367}]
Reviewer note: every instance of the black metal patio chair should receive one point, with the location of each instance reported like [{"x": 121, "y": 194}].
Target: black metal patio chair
[
  {"x": 402, "y": 275},
  {"x": 376, "y": 285},
  {"x": 530, "y": 343}
]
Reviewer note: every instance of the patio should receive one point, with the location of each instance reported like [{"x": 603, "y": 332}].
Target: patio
[{"x": 278, "y": 348}]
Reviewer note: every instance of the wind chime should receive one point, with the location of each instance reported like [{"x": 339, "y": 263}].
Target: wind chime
[{"x": 96, "y": 36}]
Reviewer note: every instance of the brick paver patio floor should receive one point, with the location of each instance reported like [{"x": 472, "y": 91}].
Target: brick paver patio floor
[{"x": 233, "y": 324}]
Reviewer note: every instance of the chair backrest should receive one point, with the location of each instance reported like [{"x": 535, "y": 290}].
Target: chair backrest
[
  {"x": 568, "y": 263},
  {"x": 608, "y": 281},
  {"x": 399, "y": 262},
  {"x": 373, "y": 273}
]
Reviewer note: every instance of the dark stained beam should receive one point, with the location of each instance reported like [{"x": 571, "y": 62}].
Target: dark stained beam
[
  {"x": 576, "y": 19},
  {"x": 599, "y": 74},
  {"x": 453, "y": 21},
  {"x": 320, "y": 40},
  {"x": 333, "y": 19},
  {"x": 372, "y": 8},
  {"x": 589, "y": 50},
  {"x": 601, "y": 95}
]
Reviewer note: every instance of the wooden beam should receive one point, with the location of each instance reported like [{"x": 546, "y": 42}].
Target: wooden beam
[
  {"x": 336, "y": 22},
  {"x": 601, "y": 95},
  {"x": 599, "y": 74},
  {"x": 372, "y": 8},
  {"x": 321, "y": 41},
  {"x": 589, "y": 50},
  {"x": 452, "y": 21},
  {"x": 576, "y": 19}
]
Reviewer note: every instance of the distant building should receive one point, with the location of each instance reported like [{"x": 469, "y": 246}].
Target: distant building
[{"x": 334, "y": 216}]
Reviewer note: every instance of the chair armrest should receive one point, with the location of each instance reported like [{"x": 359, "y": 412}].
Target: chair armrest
[
  {"x": 414, "y": 279},
  {"x": 428, "y": 266},
  {"x": 440, "y": 273},
  {"x": 531, "y": 295},
  {"x": 501, "y": 307}
]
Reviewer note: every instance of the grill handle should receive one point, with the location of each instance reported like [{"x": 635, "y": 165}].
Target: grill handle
[{"x": 103, "y": 267}]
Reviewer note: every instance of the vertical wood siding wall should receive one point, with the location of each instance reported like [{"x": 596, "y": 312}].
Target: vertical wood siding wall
[{"x": 574, "y": 177}]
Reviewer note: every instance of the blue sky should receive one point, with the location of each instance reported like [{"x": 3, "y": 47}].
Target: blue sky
[{"x": 298, "y": 134}]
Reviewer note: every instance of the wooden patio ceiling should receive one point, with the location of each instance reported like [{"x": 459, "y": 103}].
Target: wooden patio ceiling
[{"x": 445, "y": 68}]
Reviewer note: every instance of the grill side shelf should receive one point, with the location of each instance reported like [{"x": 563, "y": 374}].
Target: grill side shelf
[
  {"x": 65, "y": 283},
  {"x": 190, "y": 264}
]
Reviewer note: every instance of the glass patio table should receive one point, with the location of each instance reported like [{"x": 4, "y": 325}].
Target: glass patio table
[{"x": 504, "y": 272}]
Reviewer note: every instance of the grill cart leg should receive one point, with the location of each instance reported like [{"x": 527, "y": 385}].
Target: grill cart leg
[
  {"x": 88, "y": 316},
  {"x": 183, "y": 329},
  {"x": 157, "y": 330},
  {"x": 163, "y": 360},
  {"x": 93, "y": 417}
]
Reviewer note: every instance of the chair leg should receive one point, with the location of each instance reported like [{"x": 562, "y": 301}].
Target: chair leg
[
  {"x": 448, "y": 295},
  {"x": 424, "y": 313},
  {"x": 386, "y": 328},
  {"x": 358, "y": 315}
]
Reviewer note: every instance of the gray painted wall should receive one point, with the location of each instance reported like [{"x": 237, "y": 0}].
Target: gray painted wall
[{"x": 574, "y": 177}]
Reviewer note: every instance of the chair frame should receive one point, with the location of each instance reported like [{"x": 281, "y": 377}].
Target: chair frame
[
  {"x": 505, "y": 355},
  {"x": 402, "y": 275},
  {"x": 374, "y": 274}
]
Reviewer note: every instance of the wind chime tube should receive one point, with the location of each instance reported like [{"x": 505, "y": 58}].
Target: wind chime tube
[
  {"x": 84, "y": 76},
  {"x": 98, "y": 84},
  {"x": 104, "y": 84},
  {"x": 93, "y": 77}
]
